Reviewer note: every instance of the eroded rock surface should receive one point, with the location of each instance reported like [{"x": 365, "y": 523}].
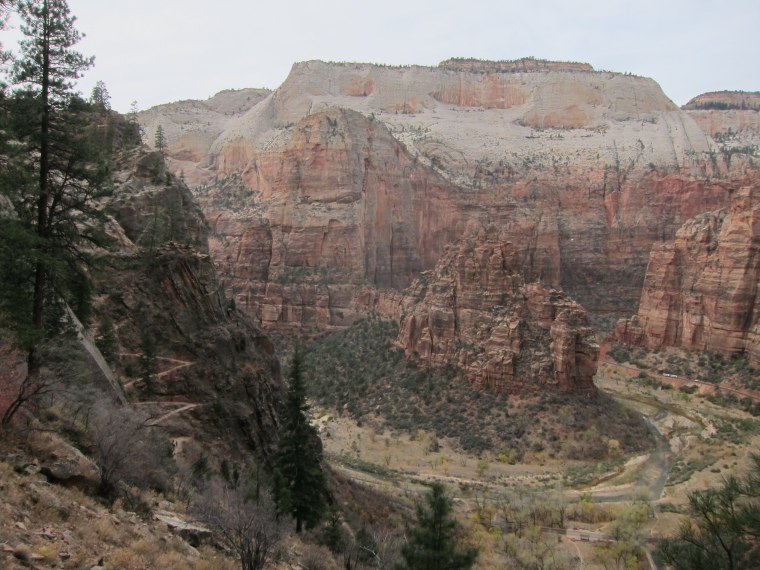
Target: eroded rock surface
[
  {"x": 701, "y": 289},
  {"x": 212, "y": 359},
  {"x": 311, "y": 203},
  {"x": 476, "y": 311}
]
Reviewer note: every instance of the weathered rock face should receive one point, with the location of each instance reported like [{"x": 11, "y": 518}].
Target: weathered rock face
[
  {"x": 583, "y": 170},
  {"x": 732, "y": 118},
  {"x": 562, "y": 98},
  {"x": 723, "y": 100},
  {"x": 344, "y": 204},
  {"x": 211, "y": 357},
  {"x": 190, "y": 127},
  {"x": 729, "y": 123},
  {"x": 333, "y": 212},
  {"x": 701, "y": 289},
  {"x": 150, "y": 212},
  {"x": 524, "y": 64},
  {"x": 475, "y": 311}
]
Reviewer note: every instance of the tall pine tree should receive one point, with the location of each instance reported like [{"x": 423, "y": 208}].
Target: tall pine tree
[
  {"x": 56, "y": 175},
  {"x": 299, "y": 483},
  {"x": 159, "y": 141},
  {"x": 432, "y": 544}
]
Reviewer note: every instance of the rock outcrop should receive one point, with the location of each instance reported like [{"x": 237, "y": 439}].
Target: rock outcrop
[
  {"x": 476, "y": 312},
  {"x": 212, "y": 360},
  {"x": 724, "y": 100},
  {"x": 524, "y": 64},
  {"x": 701, "y": 290}
]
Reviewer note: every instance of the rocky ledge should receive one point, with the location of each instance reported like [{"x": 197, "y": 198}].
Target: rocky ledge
[{"x": 522, "y": 65}]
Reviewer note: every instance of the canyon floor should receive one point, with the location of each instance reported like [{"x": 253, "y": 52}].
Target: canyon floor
[{"x": 701, "y": 438}]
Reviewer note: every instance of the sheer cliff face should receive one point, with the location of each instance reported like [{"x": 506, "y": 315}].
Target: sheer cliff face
[
  {"x": 583, "y": 171},
  {"x": 343, "y": 204},
  {"x": 475, "y": 311},
  {"x": 701, "y": 290}
]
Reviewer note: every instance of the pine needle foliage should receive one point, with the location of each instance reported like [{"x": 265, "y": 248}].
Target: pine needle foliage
[
  {"x": 433, "y": 544},
  {"x": 300, "y": 489}
]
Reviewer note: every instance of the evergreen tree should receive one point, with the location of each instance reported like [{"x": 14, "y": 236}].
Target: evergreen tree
[
  {"x": 134, "y": 108},
  {"x": 299, "y": 484},
  {"x": 159, "y": 141},
  {"x": 55, "y": 175},
  {"x": 132, "y": 118},
  {"x": 100, "y": 96},
  {"x": 722, "y": 529},
  {"x": 105, "y": 339},
  {"x": 148, "y": 360},
  {"x": 432, "y": 544}
]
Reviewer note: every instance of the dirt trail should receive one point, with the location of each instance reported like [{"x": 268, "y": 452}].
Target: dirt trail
[
  {"x": 180, "y": 364},
  {"x": 166, "y": 416}
]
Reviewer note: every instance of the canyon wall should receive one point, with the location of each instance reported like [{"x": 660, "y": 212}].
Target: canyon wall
[
  {"x": 475, "y": 311},
  {"x": 351, "y": 177},
  {"x": 701, "y": 289}
]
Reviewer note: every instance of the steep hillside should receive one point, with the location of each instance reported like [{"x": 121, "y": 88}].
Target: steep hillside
[{"x": 212, "y": 360}]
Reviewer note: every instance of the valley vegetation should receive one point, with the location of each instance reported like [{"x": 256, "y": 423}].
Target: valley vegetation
[{"x": 359, "y": 370}]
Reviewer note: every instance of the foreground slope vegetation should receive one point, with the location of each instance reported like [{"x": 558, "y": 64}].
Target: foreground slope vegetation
[{"x": 360, "y": 372}]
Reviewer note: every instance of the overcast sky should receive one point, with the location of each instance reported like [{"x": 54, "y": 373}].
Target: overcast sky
[{"x": 158, "y": 51}]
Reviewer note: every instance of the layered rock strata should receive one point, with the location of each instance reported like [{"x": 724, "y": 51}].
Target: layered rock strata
[
  {"x": 723, "y": 100},
  {"x": 343, "y": 206},
  {"x": 584, "y": 170},
  {"x": 524, "y": 64},
  {"x": 701, "y": 289},
  {"x": 474, "y": 310}
]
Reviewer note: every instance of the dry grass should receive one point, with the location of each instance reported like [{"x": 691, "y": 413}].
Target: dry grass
[
  {"x": 79, "y": 526},
  {"x": 411, "y": 455},
  {"x": 46, "y": 550},
  {"x": 125, "y": 559}
]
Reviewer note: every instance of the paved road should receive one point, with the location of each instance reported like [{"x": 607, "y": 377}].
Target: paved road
[{"x": 692, "y": 380}]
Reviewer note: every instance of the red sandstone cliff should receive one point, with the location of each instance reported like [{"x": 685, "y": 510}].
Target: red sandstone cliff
[
  {"x": 475, "y": 310},
  {"x": 701, "y": 290},
  {"x": 344, "y": 204},
  {"x": 312, "y": 204}
]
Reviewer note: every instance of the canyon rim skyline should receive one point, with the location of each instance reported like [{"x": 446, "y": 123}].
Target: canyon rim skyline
[{"x": 168, "y": 51}]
